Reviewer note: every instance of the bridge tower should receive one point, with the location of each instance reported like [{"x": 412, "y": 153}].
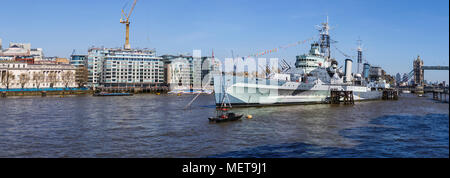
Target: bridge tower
[{"x": 418, "y": 72}]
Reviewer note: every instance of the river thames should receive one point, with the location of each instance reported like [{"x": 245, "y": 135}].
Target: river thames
[{"x": 152, "y": 126}]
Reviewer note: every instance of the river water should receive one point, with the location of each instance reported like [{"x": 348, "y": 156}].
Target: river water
[{"x": 153, "y": 126}]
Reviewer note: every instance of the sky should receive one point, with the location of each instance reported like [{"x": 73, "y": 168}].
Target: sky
[{"x": 393, "y": 32}]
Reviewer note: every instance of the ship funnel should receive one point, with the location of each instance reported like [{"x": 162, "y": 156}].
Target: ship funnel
[
  {"x": 366, "y": 69},
  {"x": 348, "y": 70}
]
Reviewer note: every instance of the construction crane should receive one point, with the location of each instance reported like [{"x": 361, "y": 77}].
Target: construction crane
[{"x": 126, "y": 20}]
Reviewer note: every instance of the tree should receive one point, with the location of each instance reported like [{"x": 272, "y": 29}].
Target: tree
[
  {"x": 67, "y": 78},
  {"x": 3, "y": 77},
  {"x": 52, "y": 79},
  {"x": 8, "y": 78},
  {"x": 23, "y": 79},
  {"x": 81, "y": 76},
  {"x": 38, "y": 78}
]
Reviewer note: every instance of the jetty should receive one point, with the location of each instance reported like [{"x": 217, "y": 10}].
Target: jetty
[
  {"x": 440, "y": 95},
  {"x": 341, "y": 96}
]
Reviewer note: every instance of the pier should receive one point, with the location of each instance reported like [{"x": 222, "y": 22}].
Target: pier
[
  {"x": 440, "y": 95},
  {"x": 44, "y": 92},
  {"x": 390, "y": 94},
  {"x": 341, "y": 96},
  {"x": 135, "y": 90}
]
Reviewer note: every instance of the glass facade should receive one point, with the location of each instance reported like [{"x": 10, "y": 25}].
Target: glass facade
[{"x": 78, "y": 60}]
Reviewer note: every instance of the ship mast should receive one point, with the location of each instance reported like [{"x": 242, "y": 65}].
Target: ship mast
[
  {"x": 359, "y": 55},
  {"x": 325, "y": 39}
]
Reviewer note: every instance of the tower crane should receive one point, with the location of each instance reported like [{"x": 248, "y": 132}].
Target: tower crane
[{"x": 126, "y": 20}]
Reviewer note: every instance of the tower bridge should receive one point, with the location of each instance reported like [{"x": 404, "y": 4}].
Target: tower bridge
[{"x": 417, "y": 74}]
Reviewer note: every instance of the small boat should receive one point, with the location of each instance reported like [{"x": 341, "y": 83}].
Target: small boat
[
  {"x": 112, "y": 94},
  {"x": 226, "y": 117},
  {"x": 223, "y": 114}
]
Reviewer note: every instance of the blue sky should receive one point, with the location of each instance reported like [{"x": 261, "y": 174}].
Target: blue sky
[{"x": 393, "y": 31}]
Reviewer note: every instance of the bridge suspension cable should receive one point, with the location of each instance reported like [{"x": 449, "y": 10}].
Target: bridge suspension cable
[{"x": 409, "y": 76}]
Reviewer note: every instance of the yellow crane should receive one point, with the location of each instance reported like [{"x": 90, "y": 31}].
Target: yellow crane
[{"x": 126, "y": 20}]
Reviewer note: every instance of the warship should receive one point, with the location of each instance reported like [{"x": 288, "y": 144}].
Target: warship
[{"x": 311, "y": 81}]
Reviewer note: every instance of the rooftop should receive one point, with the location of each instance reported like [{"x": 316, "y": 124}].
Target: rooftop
[{"x": 145, "y": 50}]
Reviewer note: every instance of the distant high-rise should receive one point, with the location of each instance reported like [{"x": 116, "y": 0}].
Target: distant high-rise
[
  {"x": 398, "y": 78},
  {"x": 405, "y": 77},
  {"x": 360, "y": 58}
]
